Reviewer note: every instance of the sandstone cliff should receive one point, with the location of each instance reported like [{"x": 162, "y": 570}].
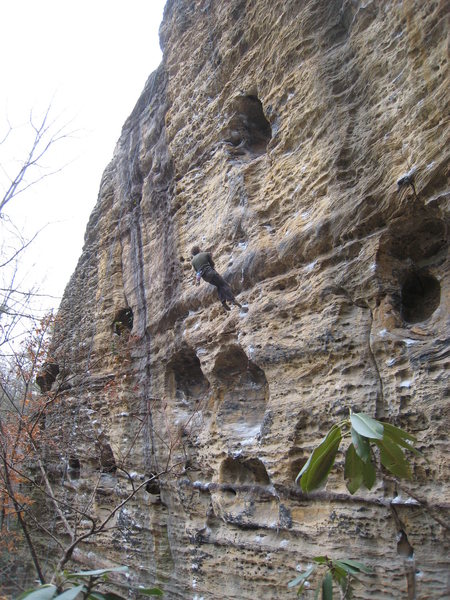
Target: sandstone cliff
[{"x": 273, "y": 134}]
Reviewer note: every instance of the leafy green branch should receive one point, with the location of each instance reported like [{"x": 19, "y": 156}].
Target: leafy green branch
[
  {"x": 341, "y": 572},
  {"x": 359, "y": 469},
  {"x": 84, "y": 585}
]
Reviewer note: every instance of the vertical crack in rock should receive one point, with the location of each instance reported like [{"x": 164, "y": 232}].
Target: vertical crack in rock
[
  {"x": 132, "y": 191},
  {"x": 147, "y": 184},
  {"x": 380, "y": 404},
  {"x": 146, "y": 406},
  {"x": 379, "y": 408}
]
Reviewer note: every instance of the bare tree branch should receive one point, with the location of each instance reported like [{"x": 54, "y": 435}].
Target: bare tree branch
[
  {"x": 23, "y": 247},
  {"x": 46, "y": 135}
]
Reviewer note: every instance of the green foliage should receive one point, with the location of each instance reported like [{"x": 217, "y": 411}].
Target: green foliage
[
  {"x": 316, "y": 470},
  {"x": 359, "y": 470},
  {"x": 366, "y": 426},
  {"x": 43, "y": 592},
  {"x": 339, "y": 572},
  {"x": 83, "y": 586}
]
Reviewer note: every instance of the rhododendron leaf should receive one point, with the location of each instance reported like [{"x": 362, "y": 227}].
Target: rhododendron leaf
[
  {"x": 366, "y": 426},
  {"x": 321, "y": 461}
]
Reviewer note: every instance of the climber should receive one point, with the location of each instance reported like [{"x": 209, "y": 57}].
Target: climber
[{"x": 204, "y": 269}]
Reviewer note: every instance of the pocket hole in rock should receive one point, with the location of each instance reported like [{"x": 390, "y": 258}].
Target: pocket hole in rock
[
  {"x": 247, "y": 471},
  {"x": 421, "y": 296},
  {"x": 184, "y": 377},
  {"x": 249, "y": 127},
  {"x": 74, "y": 468},
  {"x": 123, "y": 321}
]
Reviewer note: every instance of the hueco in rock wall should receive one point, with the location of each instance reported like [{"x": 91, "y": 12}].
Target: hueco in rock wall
[{"x": 302, "y": 145}]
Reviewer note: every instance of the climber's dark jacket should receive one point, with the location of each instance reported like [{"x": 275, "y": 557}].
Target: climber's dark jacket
[
  {"x": 203, "y": 265},
  {"x": 202, "y": 260}
]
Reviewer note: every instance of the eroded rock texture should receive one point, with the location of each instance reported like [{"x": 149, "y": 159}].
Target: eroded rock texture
[{"x": 274, "y": 135}]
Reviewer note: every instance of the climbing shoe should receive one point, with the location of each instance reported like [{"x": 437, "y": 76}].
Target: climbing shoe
[{"x": 225, "y": 305}]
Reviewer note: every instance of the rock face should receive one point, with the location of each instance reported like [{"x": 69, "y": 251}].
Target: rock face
[{"x": 303, "y": 143}]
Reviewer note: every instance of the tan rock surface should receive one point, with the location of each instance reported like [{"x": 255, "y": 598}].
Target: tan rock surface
[{"x": 273, "y": 134}]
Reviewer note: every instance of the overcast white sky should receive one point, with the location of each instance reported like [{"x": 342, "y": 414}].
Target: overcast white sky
[{"x": 89, "y": 59}]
